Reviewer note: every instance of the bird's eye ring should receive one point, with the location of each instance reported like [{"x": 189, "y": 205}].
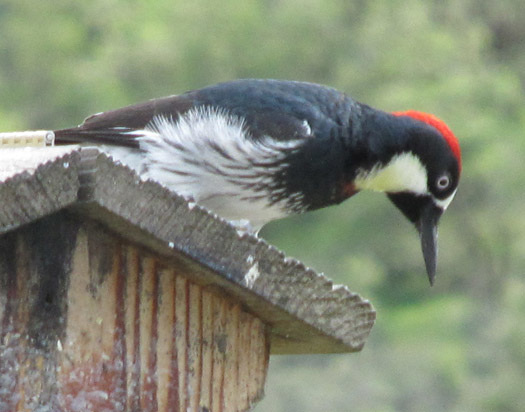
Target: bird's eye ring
[{"x": 443, "y": 182}]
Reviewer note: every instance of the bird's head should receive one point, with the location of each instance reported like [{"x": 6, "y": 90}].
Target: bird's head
[{"x": 420, "y": 174}]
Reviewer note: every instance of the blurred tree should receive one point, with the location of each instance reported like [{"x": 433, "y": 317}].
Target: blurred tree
[{"x": 456, "y": 347}]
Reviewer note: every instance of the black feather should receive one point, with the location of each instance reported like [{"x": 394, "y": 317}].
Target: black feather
[{"x": 283, "y": 110}]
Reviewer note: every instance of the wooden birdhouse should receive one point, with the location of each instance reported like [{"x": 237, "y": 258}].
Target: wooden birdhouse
[{"x": 117, "y": 295}]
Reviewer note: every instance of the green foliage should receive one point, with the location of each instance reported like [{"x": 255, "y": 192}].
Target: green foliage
[{"x": 455, "y": 347}]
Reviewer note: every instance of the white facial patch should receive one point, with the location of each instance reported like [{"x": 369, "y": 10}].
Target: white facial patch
[
  {"x": 404, "y": 173},
  {"x": 445, "y": 202}
]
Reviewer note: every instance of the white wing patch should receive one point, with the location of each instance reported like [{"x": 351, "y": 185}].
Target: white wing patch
[{"x": 205, "y": 155}]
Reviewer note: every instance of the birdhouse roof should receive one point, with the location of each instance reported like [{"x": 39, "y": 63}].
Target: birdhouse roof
[{"x": 305, "y": 311}]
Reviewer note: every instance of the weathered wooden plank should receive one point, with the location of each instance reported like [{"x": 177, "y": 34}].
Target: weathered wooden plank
[
  {"x": 181, "y": 325},
  {"x": 206, "y": 385},
  {"x": 165, "y": 347},
  {"x": 231, "y": 368},
  {"x": 193, "y": 345},
  {"x": 218, "y": 354},
  {"x": 148, "y": 323}
]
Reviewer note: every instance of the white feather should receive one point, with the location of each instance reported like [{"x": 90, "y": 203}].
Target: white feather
[
  {"x": 205, "y": 155},
  {"x": 446, "y": 202}
]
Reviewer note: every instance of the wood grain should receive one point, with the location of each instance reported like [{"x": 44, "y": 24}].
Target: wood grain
[{"x": 131, "y": 332}]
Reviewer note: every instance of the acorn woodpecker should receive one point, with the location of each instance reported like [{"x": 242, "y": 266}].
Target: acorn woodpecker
[{"x": 259, "y": 150}]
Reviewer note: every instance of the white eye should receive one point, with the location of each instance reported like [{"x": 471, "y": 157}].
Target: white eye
[{"x": 443, "y": 182}]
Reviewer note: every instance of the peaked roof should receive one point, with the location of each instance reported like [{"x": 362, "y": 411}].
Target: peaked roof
[{"x": 306, "y": 312}]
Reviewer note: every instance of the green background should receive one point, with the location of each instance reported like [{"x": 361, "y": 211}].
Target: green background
[{"x": 459, "y": 346}]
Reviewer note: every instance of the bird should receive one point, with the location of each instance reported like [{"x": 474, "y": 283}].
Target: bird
[{"x": 256, "y": 150}]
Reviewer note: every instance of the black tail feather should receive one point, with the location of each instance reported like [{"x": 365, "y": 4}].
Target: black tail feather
[{"x": 115, "y": 137}]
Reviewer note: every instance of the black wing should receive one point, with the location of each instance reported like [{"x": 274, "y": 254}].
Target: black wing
[
  {"x": 116, "y": 127},
  {"x": 280, "y": 109}
]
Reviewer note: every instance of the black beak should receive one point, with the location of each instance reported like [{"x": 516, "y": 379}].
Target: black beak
[
  {"x": 425, "y": 215},
  {"x": 427, "y": 226}
]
